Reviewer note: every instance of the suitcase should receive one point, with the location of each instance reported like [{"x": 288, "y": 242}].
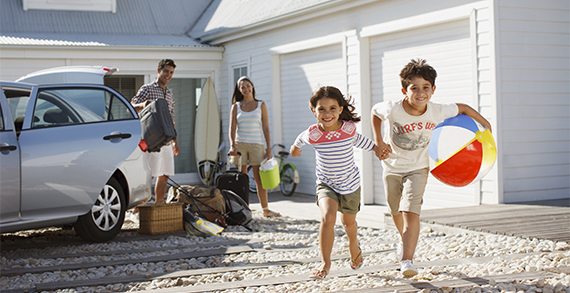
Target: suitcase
[
  {"x": 234, "y": 180},
  {"x": 157, "y": 126}
]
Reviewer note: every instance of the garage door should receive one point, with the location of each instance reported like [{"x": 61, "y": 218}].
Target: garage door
[
  {"x": 302, "y": 73},
  {"x": 446, "y": 47}
]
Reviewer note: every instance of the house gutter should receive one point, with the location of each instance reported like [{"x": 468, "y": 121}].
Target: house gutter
[
  {"x": 286, "y": 19},
  {"x": 112, "y": 48}
]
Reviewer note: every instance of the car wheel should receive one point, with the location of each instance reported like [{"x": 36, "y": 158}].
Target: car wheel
[{"x": 106, "y": 217}]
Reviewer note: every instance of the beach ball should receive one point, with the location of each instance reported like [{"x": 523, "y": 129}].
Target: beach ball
[{"x": 461, "y": 151}]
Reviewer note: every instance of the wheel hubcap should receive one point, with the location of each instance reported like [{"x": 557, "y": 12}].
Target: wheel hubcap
[{"x": 107, "y": 209}]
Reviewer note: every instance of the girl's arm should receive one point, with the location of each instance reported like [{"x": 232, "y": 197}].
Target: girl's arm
[
  {"x": 266, "y": 132},
  {"x": 383, "y": 148},
  {"x": 467, "y": 110},
  {"x": 233, "y": 128},
  {"x": 295, "y": 151},
  {"x": 377, "y": 152}
]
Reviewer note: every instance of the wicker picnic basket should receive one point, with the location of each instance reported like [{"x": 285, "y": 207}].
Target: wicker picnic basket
[{"x": 161, "y": 219}]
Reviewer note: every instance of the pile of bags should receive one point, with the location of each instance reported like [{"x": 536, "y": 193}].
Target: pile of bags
[{"x": 209, "y": 210}]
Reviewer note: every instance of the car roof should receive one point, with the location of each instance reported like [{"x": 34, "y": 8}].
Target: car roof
[
  {"x": 69, "y": 75},
  {"x": 13, "y": 84}
]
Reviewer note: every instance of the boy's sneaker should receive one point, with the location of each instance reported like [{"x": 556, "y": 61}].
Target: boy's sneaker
[{"x": 408, "y": 269}]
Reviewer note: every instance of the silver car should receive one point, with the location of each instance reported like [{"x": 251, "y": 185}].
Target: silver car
[{"x": 69, "y": 154}]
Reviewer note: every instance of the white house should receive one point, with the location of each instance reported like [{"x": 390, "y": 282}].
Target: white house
[{"x": 509, "y": 59}]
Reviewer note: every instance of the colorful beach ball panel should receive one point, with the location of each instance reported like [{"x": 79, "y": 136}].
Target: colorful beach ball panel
[
  {"x": 462, "y": 168},
  {"x": 461, "y": 152}
]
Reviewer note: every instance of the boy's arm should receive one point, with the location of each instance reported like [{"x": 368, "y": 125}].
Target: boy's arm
[
  {"x": 383, "y": 148},
  {"x": 467, "y": 110}
]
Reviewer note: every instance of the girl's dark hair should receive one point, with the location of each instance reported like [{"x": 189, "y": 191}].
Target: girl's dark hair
[
  {"x": 417, "y": 68},
  {"x": 332, "y": 92},
  {"x": 237, "y": 96}
]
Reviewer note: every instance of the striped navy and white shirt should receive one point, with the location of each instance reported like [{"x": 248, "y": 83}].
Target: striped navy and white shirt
[{"x": 335, "y": 155}]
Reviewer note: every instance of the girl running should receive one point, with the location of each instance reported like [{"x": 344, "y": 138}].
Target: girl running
[{"x": 338, "y": 179}]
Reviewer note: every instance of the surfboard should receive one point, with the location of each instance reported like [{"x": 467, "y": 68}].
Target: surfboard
[{"x": 207, "y": 133}]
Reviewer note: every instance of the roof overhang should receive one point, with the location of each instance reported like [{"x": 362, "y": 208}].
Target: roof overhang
[{"x": 317, "y": 10}]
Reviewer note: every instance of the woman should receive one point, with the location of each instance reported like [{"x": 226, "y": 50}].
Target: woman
[{"x": 249, "y": 129}]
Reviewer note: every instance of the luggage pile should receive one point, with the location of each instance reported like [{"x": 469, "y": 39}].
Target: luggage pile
[
  {"x": 234, "y": 180},
  {"x": 208, "y": 210},
  {"x": 203, "y": 203}
]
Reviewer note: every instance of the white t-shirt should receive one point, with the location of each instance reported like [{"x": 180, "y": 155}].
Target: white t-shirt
[{"x": 410, "y": 135}]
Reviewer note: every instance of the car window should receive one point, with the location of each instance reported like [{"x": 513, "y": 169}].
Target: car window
[
  {"x": 18, "y": 102},
  {"x": 63, "y": 106},
  {"x": 119, "y": 110}
]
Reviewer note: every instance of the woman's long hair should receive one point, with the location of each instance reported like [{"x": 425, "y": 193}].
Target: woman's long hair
[{"x": 237, "y": 96}]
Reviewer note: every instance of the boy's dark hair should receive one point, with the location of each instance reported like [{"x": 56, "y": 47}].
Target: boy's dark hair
[
  {"x": 237, "y": 96},
  {"x": 417, "y": 68},
  {"x": 165, "y": 62},
  {"x": 334, "y": 93}
]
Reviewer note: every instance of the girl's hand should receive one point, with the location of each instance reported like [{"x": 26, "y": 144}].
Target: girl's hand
[
  {"x": 383, "y": 150},
  {"x": 295, "y": 151}
]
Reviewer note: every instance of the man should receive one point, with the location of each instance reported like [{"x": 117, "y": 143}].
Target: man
[{"x": 161, "y": 163}]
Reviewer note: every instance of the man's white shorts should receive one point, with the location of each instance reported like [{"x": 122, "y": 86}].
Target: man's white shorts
[{"x": 162, "y": 163}]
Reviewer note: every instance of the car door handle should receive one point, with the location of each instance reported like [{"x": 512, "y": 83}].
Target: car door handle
[
  {"x": 6, "y": 147},
  {"x": 116, "y": 135}
]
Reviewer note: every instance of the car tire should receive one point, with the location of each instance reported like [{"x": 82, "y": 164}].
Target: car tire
[{"x": 105, "y": 219}]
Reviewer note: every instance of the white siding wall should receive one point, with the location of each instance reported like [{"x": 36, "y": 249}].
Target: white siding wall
[
  {"x": 446, "y": 47},
  {"x": 259, "y": 70},
  {"x": 498, "y": 56},
  {"x": 534, "y": 64},
  {"x": 296, "y": 44},
  {"x": 301, "y": 74},
  {"x": 485, "y": 90}
]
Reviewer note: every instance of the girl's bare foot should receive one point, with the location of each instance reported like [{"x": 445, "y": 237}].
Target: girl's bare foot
[
  {"x": 269, "y": 213},
  {"x": 321, "y": 273}
]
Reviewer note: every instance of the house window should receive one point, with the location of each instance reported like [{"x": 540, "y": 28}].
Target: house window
[
  {"x": 126, "y": 85},
  {"x": 239, "y": 72}
]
